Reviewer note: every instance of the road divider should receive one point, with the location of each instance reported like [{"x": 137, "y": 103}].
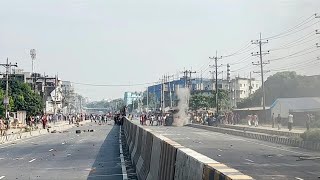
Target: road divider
[{"x": 159, "y": 158}]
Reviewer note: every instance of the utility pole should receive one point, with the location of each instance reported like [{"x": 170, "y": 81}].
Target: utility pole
[
  {"x": 216, "y": 85},
  {"x": 147, "y": 98},
  {"x": 55, "y": 95},
  {"x": 6, "y": 98},
  {"x": 229, "y": 83},
  {"x": 169, "y": 84},
  {"x": 261, "y": 63},
  {"x": 250, "y": 87}
]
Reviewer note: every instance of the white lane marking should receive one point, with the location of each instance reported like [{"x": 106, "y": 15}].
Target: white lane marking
[
  {"x": 298, "y": 178},
  {"x": 123, "y": 167},
  {"x": 249, "y": 160},
  {"x": 32, "y": 160},
  {"x": 1, "y": 177},
  {"x": 50, "y": 150}
]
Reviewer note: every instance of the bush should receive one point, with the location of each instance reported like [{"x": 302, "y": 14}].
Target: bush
[
  {"x": 311, "y": 135},
  {"x": 315, "y": 124}
]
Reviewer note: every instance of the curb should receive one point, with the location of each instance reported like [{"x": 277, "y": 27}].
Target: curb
[{"x": 265, "y": 131}]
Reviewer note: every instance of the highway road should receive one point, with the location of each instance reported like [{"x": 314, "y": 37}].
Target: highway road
[
  {"x": 259, "y": 159},
  {"x": 88, "y": 155}
]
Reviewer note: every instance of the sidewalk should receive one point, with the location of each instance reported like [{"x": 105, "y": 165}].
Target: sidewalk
[
  {"x": 299, "y": 130},
  {"x": 22, "y": 130},
  {"x": 16, "y": 134}
]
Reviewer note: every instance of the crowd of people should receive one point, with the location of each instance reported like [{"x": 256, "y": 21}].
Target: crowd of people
[
  {"x": 44, "y": 120},
  {"x": 153, "y": 119}
]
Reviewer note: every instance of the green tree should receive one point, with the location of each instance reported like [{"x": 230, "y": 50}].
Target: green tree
[
  {"x": 22, "y": 98},
  {"x": 286, "y": 84},
  {"x": 198, "y": 101}
]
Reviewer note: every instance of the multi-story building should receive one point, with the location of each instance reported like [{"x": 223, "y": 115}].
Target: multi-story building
[
  {"x": 242, "y": 88},
  {"x": 130, "y": 97}
]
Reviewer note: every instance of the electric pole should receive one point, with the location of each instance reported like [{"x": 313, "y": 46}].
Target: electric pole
[
  {"x": 55, "y": 95},
  {"x": 229, "y": 83},
  {"x": 261, "y": 63},
  {"x": 169, "y": 84},
  {"x": 216, "y": 85},
  {"x": 6, "y": 98},
  {"x": 147, "y": 98}
]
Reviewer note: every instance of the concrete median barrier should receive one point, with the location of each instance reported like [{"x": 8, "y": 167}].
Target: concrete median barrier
[{"x": 159, "y": 158}]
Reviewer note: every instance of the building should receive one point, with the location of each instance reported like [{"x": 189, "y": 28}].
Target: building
[
  {"x": 130, "y": 97},
  {"x": 239, "y": 89},
  {"x": 242, "y": 88},
  {"x": 299, "y": 107}
]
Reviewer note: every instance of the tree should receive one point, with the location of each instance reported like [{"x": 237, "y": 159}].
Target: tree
[
  {"x": 198, "y": 101},
  {"x": 22, "y": 98},
  {"x": 284, "y": 85}
]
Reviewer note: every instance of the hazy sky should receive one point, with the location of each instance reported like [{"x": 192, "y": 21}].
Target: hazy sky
[{"x": 129, "y": 42}]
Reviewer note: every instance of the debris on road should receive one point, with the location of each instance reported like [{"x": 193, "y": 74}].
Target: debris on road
[
  {"x": 78, "y": 131},
  {"x": 54, "y": 131}
]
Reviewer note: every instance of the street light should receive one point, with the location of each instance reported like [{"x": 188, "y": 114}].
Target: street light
[{"x": 33, "y": 57}]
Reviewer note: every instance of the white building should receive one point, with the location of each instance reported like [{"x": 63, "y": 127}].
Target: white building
[{"x": 242, "y": 88}]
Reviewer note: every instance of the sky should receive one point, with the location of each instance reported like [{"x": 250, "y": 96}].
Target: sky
[{"x": 137, "y": 42}]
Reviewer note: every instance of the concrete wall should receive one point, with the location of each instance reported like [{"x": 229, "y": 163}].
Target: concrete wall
[{"x": 159, "y": 158}]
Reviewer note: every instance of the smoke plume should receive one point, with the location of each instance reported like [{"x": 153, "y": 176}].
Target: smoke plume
[{"x": 181, "y": 118}]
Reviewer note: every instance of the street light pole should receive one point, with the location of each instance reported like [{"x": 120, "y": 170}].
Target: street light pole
[{"x": 33, "y": 57}]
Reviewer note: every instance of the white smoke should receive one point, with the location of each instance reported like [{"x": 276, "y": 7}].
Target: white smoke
[{"x": 181, "y": 118}]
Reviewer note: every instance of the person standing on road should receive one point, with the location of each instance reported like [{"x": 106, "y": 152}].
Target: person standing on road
[
  {"x": 273, "y": 120},
  {"x": 151, "y": 120},
  {"x": 279, "y": 121},
  {"x": 2, "y": 127},
  {"x": 44, "y": 121},
  {"x": 290, "y": 121},
  {"x": 249, "y": 119},
  {"x": 308, "y": 121},
  {"x": 256, "y": 120}
]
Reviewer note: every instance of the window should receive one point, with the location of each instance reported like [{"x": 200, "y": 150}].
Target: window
[
  {"x": 240, "y": 85},
  {"x": 244, "y": 92},
  {"x": 257, "y": 85},
  {"x": 244, "y": 85}
]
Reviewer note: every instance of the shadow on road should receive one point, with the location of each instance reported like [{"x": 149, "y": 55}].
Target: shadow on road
[{"x": 107, "y": 164}]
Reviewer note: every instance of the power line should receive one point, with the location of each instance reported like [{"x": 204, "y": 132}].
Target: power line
[
  {"x": 238, "y": 51},
  {"x": 307, "y": 20},
  {"x": 291, "y": 55},
  {"x": 296, "y": 42},
  {"x": 113, "y": 85}
]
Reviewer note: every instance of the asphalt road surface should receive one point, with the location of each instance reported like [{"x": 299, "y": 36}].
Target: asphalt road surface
[
  {"x": 88, "y": 155},
  {"x": 259, "y": 159}
]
